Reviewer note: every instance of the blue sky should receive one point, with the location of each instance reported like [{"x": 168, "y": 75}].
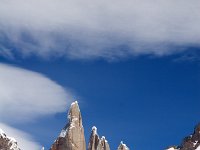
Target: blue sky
[
  {"x": 133, "y": 66},
  {"x": 146, "y": 102}
]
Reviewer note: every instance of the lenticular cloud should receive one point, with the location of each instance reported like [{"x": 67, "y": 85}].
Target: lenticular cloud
[
  {"x": 92, "y": 28},
  {"x": 27, "y": 95}
]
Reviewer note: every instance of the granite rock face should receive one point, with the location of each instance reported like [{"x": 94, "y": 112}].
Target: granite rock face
[
  {"x": 97, "y": 143},
  {"x": 7, "y": 143},
  {"x": 94, "y": 140},
  {"x": 122, "y": 146},
  {"x": 103, "y": 144},
  {"x": 72, "y": 135}
]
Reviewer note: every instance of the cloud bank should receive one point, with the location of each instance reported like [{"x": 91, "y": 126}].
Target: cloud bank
[
  {"x": 91, "y": 28},
  {"x": 26, "y": 95},
  {"x": 24, "y": 140}
]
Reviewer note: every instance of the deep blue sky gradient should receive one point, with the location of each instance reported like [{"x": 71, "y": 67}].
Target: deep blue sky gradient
[{"x": 149, "y": 103}]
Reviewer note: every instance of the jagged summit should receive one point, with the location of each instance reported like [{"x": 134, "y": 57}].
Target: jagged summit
[
  {"x": 74, "y": 114},
  {"x": 7, "y": 143},
  {"x": 122, "y": 146},
  {"x": 104, "y": 144},
  {"x": 94, "y": 130},
  {"x": 74, "y": 119},
  {"x": 96, "y": 143},
  {"x": 94, "y": 139},
  {"x": 72, "y": 135}
]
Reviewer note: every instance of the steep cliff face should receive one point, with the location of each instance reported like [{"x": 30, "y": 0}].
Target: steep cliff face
[
  {"x": 72, "y": 135},
  {"x": 94, "y": 140},
  {"x": 103, "y": 144},
  {"x": 7, "y": 143},
  {"x": 97, "y": 143}
]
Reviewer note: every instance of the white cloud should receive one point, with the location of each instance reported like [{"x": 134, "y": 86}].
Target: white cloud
[
  {"x": 93, "y": 28},
  {"x": 26, "y": 95},
  {"x": 24, "y": 140}
]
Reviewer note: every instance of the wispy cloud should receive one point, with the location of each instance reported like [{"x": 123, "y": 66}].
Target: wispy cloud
[
  {"x": 26, "y": 95},
  {"x": 92, "y": 28},
  {"x": 24, "y": 140}
]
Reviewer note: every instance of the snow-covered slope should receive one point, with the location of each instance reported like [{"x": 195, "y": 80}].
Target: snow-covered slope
[{"x": 7, "y": 143}]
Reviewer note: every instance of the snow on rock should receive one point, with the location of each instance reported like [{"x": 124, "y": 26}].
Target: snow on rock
[
  {"x": 172, "y": 148},
  {"x": 95, "y": 143},
  {"x": 2, "y": 133},
  {"x": 72, "y": 135},
  {"x": 198, "y": 148},
  {"x": 122, "y": 146},
  {"x": 94, "y": 129},
  {"x": 103, "y": 144},
  {"x": 94, "y": 139},
  {"x": 7, "y": 143},
  {"x": 63, "y": 133},
  {"x": 191, "y": 142}
]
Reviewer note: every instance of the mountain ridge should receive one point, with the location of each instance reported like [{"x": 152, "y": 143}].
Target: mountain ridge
[{"x": 72, "y": 137}]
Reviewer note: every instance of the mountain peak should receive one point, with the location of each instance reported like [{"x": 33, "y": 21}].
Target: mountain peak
[
  {"x": 94, "y": 139},
  {"x": 74, "y": 115},
  {"x": 72, "y": 135},
  {"x": 74, "y": 103},
  {"x": 103, "y": 144},
  {"x": 94, "y": 130},
  {"x": 122, "y": 146}
]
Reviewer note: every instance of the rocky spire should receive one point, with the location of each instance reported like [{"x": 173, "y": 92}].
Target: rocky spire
[
  {"x": 122, "y": 146},
  {"x": 94, "y": 140},
  {"x": 103, "y": 144},
  {"x": 7, "y": 143},
  {"x": 96, "y": 143},
  {"x": 72, "y": 135}
]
